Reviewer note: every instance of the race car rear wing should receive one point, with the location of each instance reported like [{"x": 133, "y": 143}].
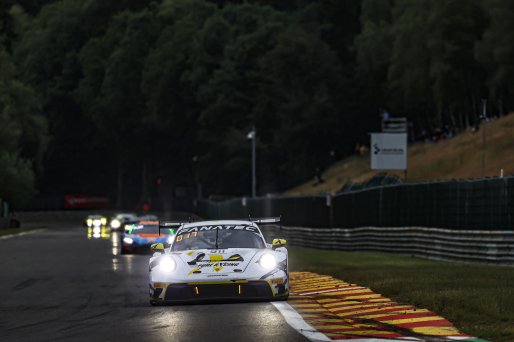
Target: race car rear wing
[
  {"x": 177, "y": 224},
  {"x": 169, "y": 225},
  {"x": 264, "y": 219}
]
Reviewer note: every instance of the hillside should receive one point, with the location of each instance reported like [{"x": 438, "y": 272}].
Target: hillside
[{"x": 456, "y": 158}]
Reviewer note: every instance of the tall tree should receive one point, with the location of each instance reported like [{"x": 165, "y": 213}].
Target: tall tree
[
  {"x": 23, "y": 135},
  {"x": 496, "y": 53},
  {"x": 454, "y": 28},
  {"x": 373, "y": 49},
  {"x": 110, "y": 92}
]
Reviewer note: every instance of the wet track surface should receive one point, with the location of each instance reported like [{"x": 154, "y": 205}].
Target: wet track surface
[{"x": 58, "y": 285}]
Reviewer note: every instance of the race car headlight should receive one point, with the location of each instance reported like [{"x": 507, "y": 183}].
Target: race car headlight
[
  {"x": 268, "y": 261},
  {"x": 171, "y": 239},
  {"x": 97, "y": 222},
  {"x": 89, "y": 222},
  {"x": 115, "y": 223},
  {"x": 128, "y": 240},
  {"x": 96, "y": 230},
  {"x": 104, "y": 221},
  {"x": 167, "y": 264}
]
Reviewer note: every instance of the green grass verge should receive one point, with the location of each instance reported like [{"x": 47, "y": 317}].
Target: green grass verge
[
  {"x": 8, "y": 231},
  {"x": 478, "y": 299}
]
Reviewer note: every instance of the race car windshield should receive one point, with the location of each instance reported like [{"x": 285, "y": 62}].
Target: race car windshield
[{"x": 217, "y": 239}]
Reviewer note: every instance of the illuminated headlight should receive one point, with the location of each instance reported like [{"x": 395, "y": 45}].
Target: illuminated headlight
[
  {"x": 167, "y": 264},
  {"x": 171, "y": 239},
  {"x": 96, "y": 230},
  {"x": 128, "y": 240},
  {"x": 89, "y": 222},
  {"x": 115, "y": 223},
  {"x": 97, "y": 222},
  {"x": 268, "y": 261},
  {"x": 104, "y": 221}
]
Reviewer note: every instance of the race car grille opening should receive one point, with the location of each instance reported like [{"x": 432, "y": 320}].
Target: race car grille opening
[{"x": 218, "y": 291}]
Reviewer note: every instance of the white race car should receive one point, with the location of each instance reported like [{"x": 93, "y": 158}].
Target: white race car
[{"x": 225, "y": 260}]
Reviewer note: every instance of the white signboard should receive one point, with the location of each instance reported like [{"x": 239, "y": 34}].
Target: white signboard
[{"x": 388, "y": 151}]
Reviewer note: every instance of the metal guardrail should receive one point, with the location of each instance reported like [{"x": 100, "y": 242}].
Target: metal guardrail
[{"x": 485, "y": 246}]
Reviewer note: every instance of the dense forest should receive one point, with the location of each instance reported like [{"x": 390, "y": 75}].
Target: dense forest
[{"x": 118, "y": 97}]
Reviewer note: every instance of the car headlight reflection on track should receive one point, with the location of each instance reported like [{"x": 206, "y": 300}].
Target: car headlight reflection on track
[
  {"x": 167, "y": 264},
  {"x": 268, "y": 261},
  {"x": 115, "y": 224},
  {"x": 128, "y": 240}
]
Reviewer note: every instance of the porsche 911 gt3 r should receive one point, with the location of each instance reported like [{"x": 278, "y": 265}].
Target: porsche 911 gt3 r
[{"x": 219, "y": 260}]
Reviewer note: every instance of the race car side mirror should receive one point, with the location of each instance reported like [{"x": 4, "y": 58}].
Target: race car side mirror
[
  {"x": 157, "y": 247},
  {"x": 278, "y": 243}
]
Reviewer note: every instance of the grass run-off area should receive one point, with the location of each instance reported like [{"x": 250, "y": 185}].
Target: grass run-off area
[
  {"x": 478, "y": 299},
  {"x": 8, "y": 231}
]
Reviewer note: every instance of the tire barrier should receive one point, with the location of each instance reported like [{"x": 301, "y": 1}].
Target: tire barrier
[{"x": 484, "y": 246}]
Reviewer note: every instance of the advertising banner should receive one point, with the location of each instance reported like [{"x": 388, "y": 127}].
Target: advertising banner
[
  {"x": 83, "y": 201},
  {"x": 388, "y": 151}
]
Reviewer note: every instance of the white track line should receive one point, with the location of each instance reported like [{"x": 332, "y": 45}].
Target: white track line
[
  {"x": 296, "y": 321},
  {"x": 3, "y": 237}
]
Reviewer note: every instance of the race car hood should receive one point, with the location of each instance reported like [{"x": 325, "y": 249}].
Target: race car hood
[{"x": 206, "y": 261}]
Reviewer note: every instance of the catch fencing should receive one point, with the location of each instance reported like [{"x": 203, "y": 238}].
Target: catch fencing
[
  {"x": 486, "y": 204},
  {"x": 473, "y": 219}
]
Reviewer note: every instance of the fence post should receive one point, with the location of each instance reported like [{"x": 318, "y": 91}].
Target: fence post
[{"x": 380, "y": 206}]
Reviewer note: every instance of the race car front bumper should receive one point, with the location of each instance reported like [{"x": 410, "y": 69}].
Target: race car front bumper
[{"x": 231, "y": 290}]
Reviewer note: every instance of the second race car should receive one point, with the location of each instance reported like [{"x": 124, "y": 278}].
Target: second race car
[{"x": 140, "y": 235}]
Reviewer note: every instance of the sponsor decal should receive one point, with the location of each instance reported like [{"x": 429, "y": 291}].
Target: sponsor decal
[
  {"x": 389, "y": 151},
  {"x": 217, "y": 227},
  {"x": 217, "y": 264}
]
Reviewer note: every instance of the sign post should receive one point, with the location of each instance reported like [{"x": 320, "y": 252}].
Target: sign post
[{"x": 483, "y": 116}]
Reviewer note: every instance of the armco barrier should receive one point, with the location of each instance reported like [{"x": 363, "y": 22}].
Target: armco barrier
[
  {"x": 486, "y": 204},
  {"x": 486, "y": 246}
]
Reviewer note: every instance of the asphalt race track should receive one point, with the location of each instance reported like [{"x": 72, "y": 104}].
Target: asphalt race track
[{"x": 58, "y": 285}]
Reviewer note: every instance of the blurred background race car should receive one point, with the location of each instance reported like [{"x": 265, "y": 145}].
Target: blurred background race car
[
  {"x": 95, "y": 221},
  {"x": 148, "y": 217},
  {"x": 120, "y": 219},
  {"x": 139, "y": 236}
]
